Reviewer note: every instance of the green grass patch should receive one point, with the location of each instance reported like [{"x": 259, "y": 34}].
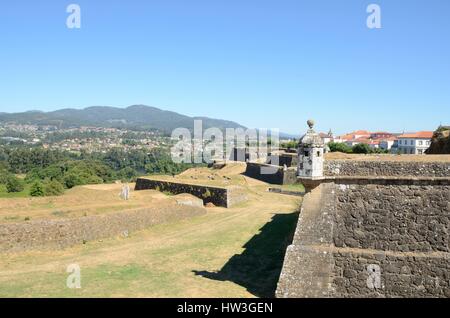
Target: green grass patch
[
  {"x": 23, "y": 194},
  {"x": 11, "y": 218},
  {"x": 293, "y": 187},
  {"x": 106, "y": 280},
  {"x": 60, "y": 213}
]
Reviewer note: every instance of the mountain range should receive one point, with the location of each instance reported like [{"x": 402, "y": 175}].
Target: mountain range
[{"x": 134, "y": 117}]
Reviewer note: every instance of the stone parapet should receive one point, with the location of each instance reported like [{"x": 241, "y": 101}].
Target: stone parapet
[
  {"x": 386, "y": 168},
  {"x": 219, "y": 196}
]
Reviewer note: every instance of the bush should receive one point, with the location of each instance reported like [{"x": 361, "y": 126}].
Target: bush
[
  {"x": 94, "y": 180},
  {"x": 339, "y": 147},
  {"x": 71, "y": 180},
  {"x": 127, "y": 174},
  {"x": 3, "y": 176},
  {"x": 73, "y": 173},
  {"x": 53, "y": 188},
  {"x": 290, "y": 144},
  {"x": 37, "y": 189},
  {"x": 207, "y": 194},
  {"x": 361, "y": 148},
  {"x": 14, "y": 184}
]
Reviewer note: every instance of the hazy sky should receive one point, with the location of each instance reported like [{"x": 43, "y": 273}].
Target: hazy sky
[{"x": 266, "y": 64}]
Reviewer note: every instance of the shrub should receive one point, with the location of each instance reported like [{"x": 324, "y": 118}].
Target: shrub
[
  {"x": 339, "y": 147},
  {"x": 290, "y": 144},
  {"x": 14, "y": 184},
  {"x": 94, "y": 180},
  {"x": 3, "y": 176},
  {"x": 361, "y": 148},
  {"x": 71, "y": 180},
  {"x": 53, "y": 188},
  {"x": 207, "y": 194},
  {"x": 127, "y": 174},
  {"x": 37, "y": 189}
]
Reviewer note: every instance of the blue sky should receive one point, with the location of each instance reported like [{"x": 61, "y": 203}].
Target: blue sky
[{"x": 263, "y": 63}]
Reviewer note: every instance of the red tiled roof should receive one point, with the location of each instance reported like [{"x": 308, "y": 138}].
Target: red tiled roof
[
  {"x": 346, "y": 137},
  {"x": 388, "y": 139},
  {"x": 360, "y": 132},
  {"x": 362, "y": 139},
  {"x": 351, "y": 136},
  {"x": 418, "y": 135},
  {"x": 381, "y": 133}
]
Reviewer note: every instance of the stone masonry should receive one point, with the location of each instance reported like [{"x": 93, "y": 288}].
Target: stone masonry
[
  {"x": 386, "y": 168},
  {"x": 61, "y": 233},
  {"x": 275, "y": 174},
  {"x": 376, "y": 236},
  {"x": 219, "y": 196}
]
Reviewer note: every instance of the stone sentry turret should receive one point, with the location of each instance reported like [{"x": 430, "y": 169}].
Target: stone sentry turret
[{"x": 310, "y": 158}]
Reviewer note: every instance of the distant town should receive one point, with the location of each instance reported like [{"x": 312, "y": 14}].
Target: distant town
[
  {"x": 86, "y": 139},
  {"x": 102, "y": 139},
  {"x": 413, "y": 143}
]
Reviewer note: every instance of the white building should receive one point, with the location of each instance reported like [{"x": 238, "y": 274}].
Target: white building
[
  {"x": 415, "y": 143},
  {"x": 388, "y": 143},
  {"x": 327, "y": 138}
]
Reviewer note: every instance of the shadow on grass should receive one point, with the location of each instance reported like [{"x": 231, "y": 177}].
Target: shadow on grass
[{"x": 258, "y": 268}]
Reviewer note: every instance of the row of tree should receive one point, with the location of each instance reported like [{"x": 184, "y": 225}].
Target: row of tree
[
  {"x": 358, "y": 148},
  {"x": 49, "y": 172},
  {"x": 341, "y": 147}
]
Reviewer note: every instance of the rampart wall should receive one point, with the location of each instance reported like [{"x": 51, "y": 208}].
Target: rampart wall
[
  {"x": 386, "y": 168},
  {"x": 224, "y": 197},
  {"x": 271, "y": 174},
  {"x": 61, "y": 233},
  {"x": 374, "y": 236}
]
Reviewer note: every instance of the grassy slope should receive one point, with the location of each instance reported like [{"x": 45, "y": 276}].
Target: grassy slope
[{"x": 221, "y": 254}]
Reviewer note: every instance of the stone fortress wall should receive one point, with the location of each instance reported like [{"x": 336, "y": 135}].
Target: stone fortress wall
[
  {"x": 279, "y": 175},
  {"x": 386, "y": 168},
  {"x": 219, "y": 196},
  {"x": 56, "y": 234},
  {"x": 372, "y": 229}
]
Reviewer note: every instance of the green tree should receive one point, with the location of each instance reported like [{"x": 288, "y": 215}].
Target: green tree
[
  {"x": 72, "y": 179},
  {"x": 37, "y": 189},
  {"x": 14, "y": 184},
  {"x": 93, "y": 179},
  {"x": 292, "y": 144},
  {"x": 3, "y": 174},
  {"x": 339, "y": 147},
  {"x": 127, "y": 174},
  {"x": 361, "y": 148},
  {"x": 53, "y": 188}
]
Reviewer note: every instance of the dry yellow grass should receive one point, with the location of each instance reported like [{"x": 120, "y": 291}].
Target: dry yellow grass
[
  {"x": 231, "y": 174},
  {"x": 235, "y": 252},
  {"x": 104, "y": 198},
  {"x": 76, "y": 202}
]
